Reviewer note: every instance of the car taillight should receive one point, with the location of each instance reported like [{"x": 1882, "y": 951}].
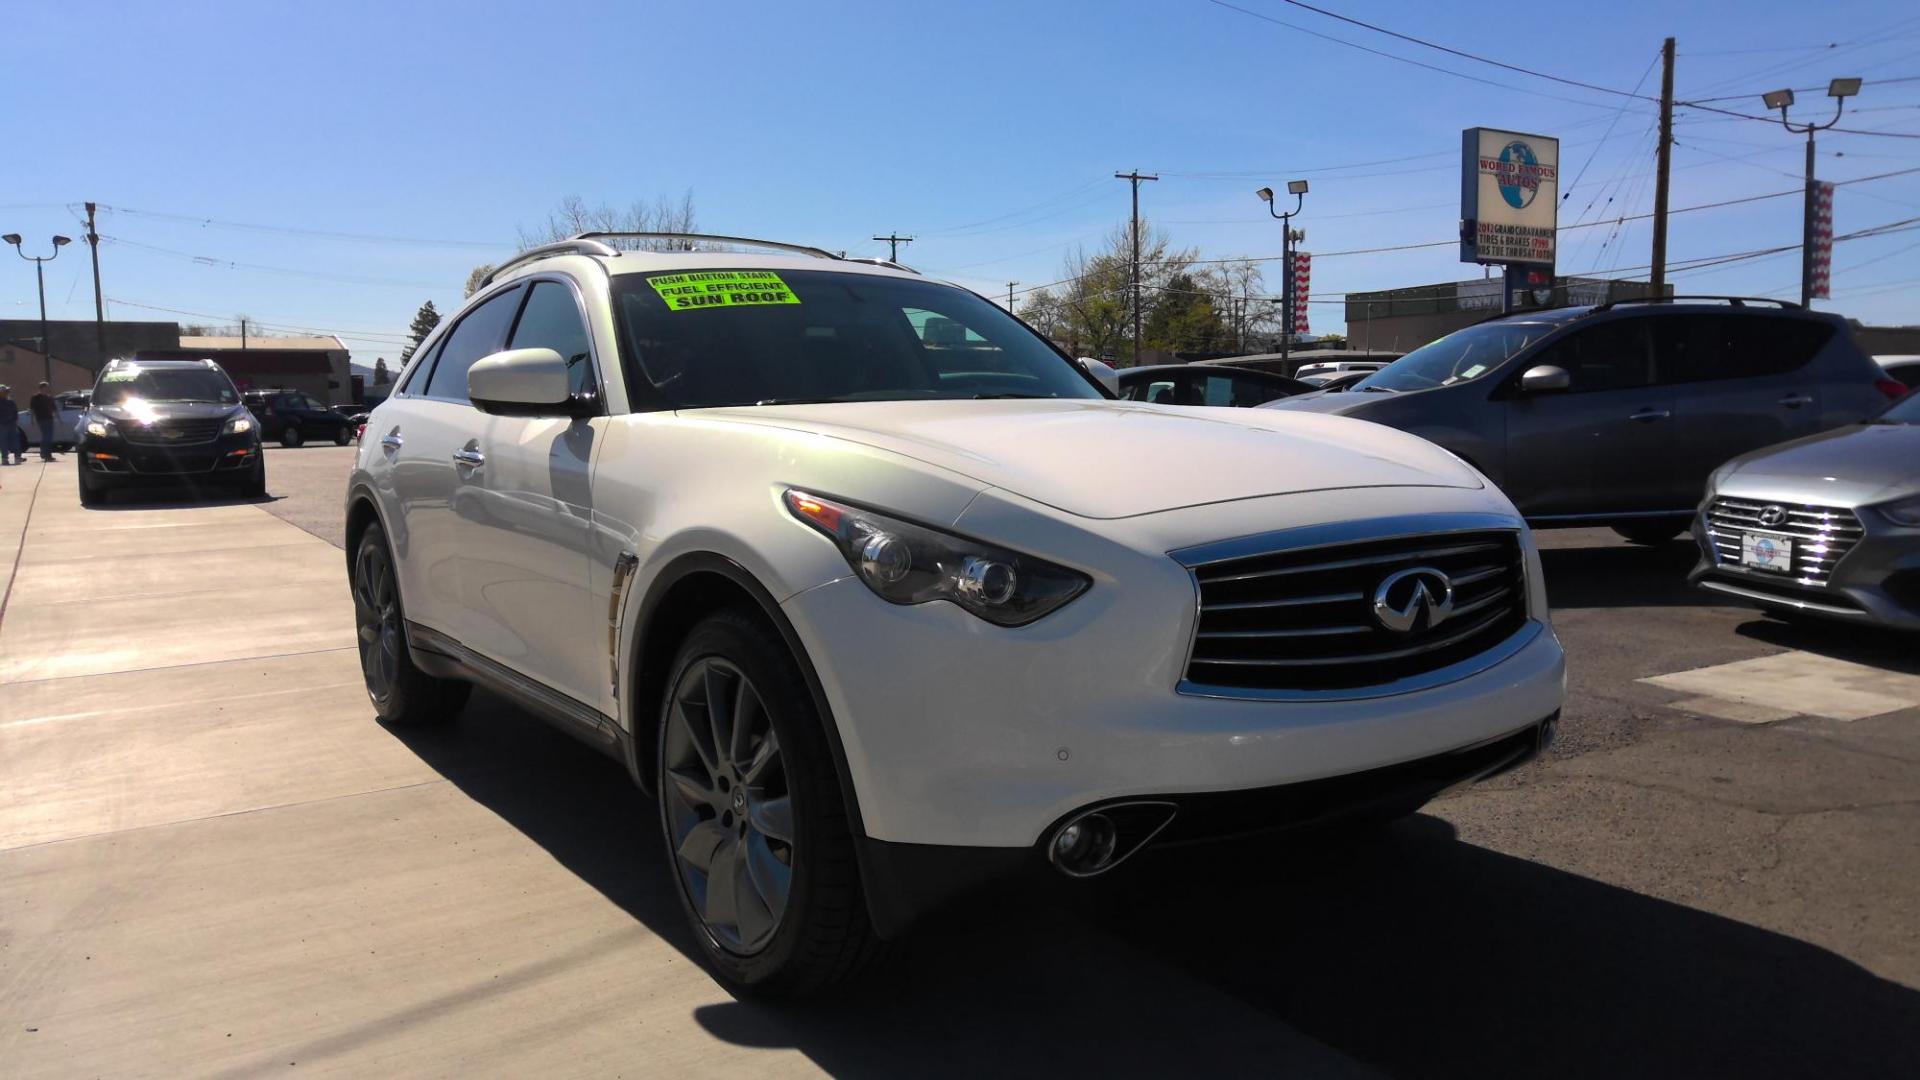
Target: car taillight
[
  {"x": 360, "y": 431},
  {"x": 1893, "y": 388}
]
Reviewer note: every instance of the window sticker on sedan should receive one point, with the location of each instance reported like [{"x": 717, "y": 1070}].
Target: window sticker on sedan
[{"x": 721, "y": 289}]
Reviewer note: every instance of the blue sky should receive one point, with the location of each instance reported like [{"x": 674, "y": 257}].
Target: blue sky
[{"x": 991, "y": 130}]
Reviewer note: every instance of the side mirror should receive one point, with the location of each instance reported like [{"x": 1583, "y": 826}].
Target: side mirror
[
  {"x": 1103, "y": 374},
  {"x": 521, "y": 382},
  {"x": 1545, "y": 379}
]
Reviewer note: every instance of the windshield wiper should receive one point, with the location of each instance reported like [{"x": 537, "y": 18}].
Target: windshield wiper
[
  {"x": 1002, "y": 397},
  {"x": 1376, "y": 390},
  {"x": 796, "y": 400}
]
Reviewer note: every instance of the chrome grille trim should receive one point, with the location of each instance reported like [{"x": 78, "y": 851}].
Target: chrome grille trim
[
  {"x": 1261, "y": 632},
  {"x": 196, "y": 432},
  {"x": 1821, "y": 535}
]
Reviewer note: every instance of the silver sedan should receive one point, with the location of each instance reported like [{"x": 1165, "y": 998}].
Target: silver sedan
[{"x": 1827, "y": 525}]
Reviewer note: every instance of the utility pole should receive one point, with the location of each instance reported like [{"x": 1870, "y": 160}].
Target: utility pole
[
  {"x": 1010, "y": 286},
  {"x": 1659, "y": 278},
  {"x": 893, "y": 245},
  {"x": 40, "y": 278},
  {"x": 99, "y": 304},
  {"x": 1288, "y": 235},
  {"x": 243, "y": 331},
  {"x": 1135, "y": 177},
  {"x": 1839, "y": 90}
]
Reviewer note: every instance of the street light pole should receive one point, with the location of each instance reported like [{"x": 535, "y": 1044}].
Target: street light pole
[
  {"x": 40, "y": 278},
  {"x": 1839, "y": 90},
  {"x": 1298, "y": 189}
]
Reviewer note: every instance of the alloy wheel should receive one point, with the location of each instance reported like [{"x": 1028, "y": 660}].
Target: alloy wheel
[
  {"x": 728, "y": 810},
  {"x": 377, "y": 610}
]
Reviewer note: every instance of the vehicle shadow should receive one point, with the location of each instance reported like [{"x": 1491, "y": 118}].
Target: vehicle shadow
[
  {"x": 1872, "y": 646},
  {"x": 1622, "y": 575},
  {"x": 1408, "y": 951},
  {"x": 174, "y": 498}
]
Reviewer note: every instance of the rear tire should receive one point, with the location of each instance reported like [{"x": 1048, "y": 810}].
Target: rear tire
[
  {"x": 401, "y": 693},
  {"x": 291, "y": 437},
  {"x": 1653, "y": 532},
  {"x": 821, "y": 935},
  {"x": 343, "y": 436}
]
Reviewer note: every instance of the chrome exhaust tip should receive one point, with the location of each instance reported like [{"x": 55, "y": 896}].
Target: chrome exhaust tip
[{"x": 1093, "y": 842}]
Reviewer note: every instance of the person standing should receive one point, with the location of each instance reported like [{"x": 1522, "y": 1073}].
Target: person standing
[
  {"x": 12, "y": 439},
  {"x": 45, "y": 414}
]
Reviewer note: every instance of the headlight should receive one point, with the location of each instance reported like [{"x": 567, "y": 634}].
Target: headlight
[
  {"x": 100, "y": 428},
  {"x": 904, "y": 563},
  {"x": 1905, "y": 511},
  {"x": 239, "y": 425}
]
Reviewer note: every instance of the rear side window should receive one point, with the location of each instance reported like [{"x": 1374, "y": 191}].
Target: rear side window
[
  {"x": 479, "y": 333},
  {"x": 1702, "y": 348},
  {"x": 552, "y": 320},
  {"x": 1610, "y": 356}
]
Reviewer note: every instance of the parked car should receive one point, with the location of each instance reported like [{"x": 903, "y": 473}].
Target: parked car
[
  {"x": 1615, "y": 414},
  {"x": 1828, "y": 525},
  {"x": 879, "y": 620},
  {"x": 1103, "y": 373},
  {"x": 1902, "y": 369},
  {"x": 1336, "y": 381},
  {"x": 1187, "y": 384},
  {"x": 295, "y": 418},
  {"x": 1339, "y": 367},
  {"x": 153, "y": 422}
]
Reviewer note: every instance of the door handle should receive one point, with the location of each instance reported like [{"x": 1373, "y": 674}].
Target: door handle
[
  {"x": 1647, "y": 416},
  {"x": 392, "y": 442},
  {"x": 1794, "y": 401},
  {"x": 472, "y": 459}
]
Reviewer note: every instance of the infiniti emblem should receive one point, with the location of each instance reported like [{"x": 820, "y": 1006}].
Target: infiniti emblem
[
  {"x": 1400, "y": 600},
  {"x": 1773, "y": 515}
]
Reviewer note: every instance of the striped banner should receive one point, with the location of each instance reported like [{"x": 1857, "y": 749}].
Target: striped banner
[
  {"x": 1302, "y": 280},
  {"x": 1820, "y": 262}
]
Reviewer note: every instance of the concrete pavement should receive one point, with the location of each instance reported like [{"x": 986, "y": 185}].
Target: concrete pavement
[{"x": 213, "y": 861}]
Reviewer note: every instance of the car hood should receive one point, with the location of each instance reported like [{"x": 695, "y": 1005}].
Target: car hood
[
  {"x": 148, "y": 411},
  {"x": 1853, "y": 465},
  {"x": 1337, "y": 403},
  {"x": 1106, "y": 459}
]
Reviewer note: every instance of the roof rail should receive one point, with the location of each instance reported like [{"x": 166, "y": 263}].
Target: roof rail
[
  {"x": 1732, "y": 301},
  {"x": 578, "y": 245},
  {"x": 888, "y": 263},
  {"x": 776, "y": 245}
]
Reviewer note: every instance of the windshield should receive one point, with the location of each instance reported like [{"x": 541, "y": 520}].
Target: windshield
[
  {"x": 745, "y": 337},
  {"x": 1462, "y": 356},
  {"x": 164, "y": 384},
  {"x": 1904, "y": 411}
]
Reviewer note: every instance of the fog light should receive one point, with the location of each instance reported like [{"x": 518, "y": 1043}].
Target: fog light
[{"x": 1085, "y": 846}]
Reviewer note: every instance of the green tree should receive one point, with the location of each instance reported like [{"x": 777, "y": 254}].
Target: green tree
[
  {"x": 1183, "y": 319},
  {"x": 381, "y": 376},
  {"x": 424, "y": 321}
]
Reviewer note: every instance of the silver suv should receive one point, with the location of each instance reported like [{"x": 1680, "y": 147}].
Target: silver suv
[{"x": 1615, "y": 414}]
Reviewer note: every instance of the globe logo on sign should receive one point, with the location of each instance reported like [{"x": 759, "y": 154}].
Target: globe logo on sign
[{"x": 1519, "y": 175}]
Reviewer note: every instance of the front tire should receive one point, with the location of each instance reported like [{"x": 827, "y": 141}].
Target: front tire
[
  {"x": 401, "y": 693},
  {"x": 1652, "y": 533},
  {"x": 342, "y": 436},
  {"x": 291, "y": 437},
  {"x": 93, "y": 491},
  {"x": 756, "y": 829},
  {"x": 255, "y": 485}
]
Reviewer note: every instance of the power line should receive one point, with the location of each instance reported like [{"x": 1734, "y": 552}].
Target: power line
[{"x": 323, "y": 234}]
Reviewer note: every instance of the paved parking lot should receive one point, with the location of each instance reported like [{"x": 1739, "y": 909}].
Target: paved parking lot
[{"x": 214, "y": 862}]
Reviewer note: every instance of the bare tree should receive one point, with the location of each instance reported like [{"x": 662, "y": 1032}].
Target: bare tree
[
  {"x": 477, "y": 277},
  {"x": 573, "y": 215}
]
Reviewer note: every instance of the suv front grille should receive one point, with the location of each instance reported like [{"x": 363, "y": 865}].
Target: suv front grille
[
  {"x": 1821, "y": 535},
  {"x": 1303, "y": 619},
  {"x": 173, "y": 432}
]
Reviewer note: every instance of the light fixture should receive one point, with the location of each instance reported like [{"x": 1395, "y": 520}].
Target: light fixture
[
  {"x": 62, "y": 241},
  {"x": 1296, "y": 187},
  {"x": 12, "y": 238},
  {"x": 1778, "y": 99},
  {"x": 1843, "y": 88},
  {"x": 1265, "y": 194}
]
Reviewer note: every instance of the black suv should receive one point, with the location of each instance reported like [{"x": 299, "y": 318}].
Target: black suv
[
  {"x": 1615, "y": 414},
  {"x": 167, "y": 421},
  {"x": 293, "y": 417}
]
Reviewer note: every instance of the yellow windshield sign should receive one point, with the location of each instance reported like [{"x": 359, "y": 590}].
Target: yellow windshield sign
[{"x": 721, "y": 289}]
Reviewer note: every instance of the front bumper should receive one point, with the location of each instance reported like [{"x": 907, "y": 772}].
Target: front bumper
[
  {"x": 1877, "y": 582},
  {"x": 124, "y": 461},
  {"x": 959, "y": 733}
]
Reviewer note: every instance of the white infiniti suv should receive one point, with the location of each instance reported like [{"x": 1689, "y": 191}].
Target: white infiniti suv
[{"x": 884, "y": 598}]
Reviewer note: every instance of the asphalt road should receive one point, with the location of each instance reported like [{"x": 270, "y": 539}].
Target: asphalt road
[{"x": 1715, "y": 876}]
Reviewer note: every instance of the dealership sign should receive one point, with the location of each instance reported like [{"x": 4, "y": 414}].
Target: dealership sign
[{"x": 1509, "y": 197}]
